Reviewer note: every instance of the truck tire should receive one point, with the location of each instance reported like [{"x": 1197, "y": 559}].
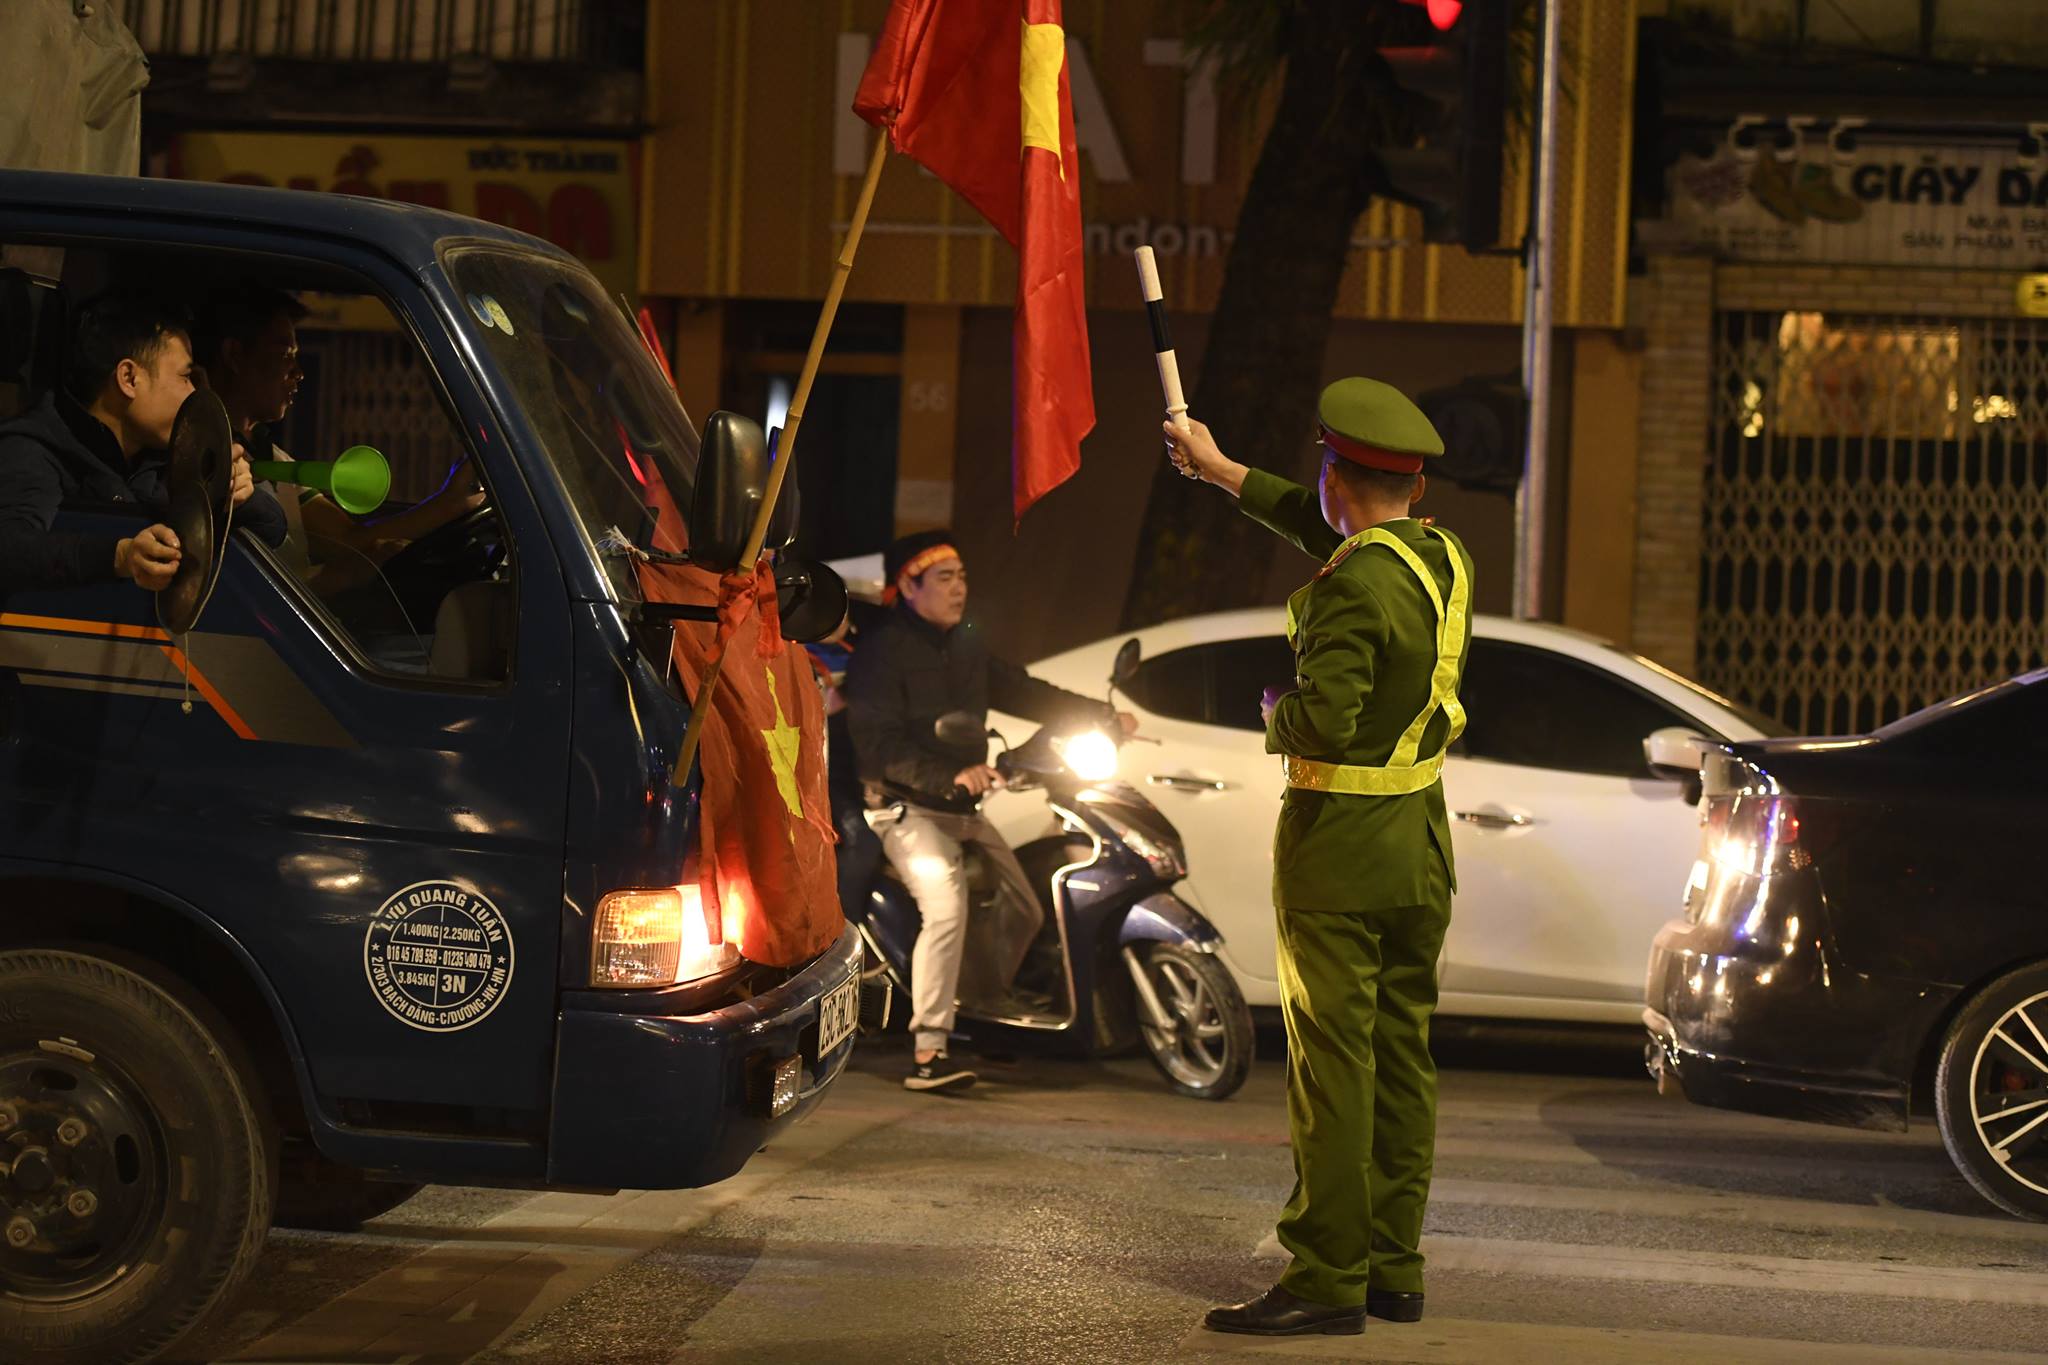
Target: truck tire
[
  {"x": 318, "y": 1195},
  {"x": 1991, "y": 1092},
  {"x": 138, "y": 1189}
]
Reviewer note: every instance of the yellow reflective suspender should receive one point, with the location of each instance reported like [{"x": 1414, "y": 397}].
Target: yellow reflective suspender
[{"x": 1402, "y": 775}]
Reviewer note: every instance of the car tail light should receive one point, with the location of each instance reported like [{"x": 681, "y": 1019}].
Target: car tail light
[
  {"x": 657, "y": 936},
  {"x": 1760, "y": 834}
]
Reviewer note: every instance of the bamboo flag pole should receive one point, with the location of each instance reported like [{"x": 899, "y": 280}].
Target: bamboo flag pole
[{"x": 785, "y": 454}]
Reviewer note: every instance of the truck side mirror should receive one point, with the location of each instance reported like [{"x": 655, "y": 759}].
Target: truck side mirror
[
  {"x": 810, "y": 597},
  {"x": 732, "y": 478},
  {"x": 784, "y": 520}
]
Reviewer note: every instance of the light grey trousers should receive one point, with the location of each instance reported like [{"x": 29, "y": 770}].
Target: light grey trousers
[{"x": 928, "y": 850}]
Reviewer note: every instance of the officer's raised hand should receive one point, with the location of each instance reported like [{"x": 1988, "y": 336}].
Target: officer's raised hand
[
  {"x": 1194, "y": 452},
  {"x": 150, "y": 557}
]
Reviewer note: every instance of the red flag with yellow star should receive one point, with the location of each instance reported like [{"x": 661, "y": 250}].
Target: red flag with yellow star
[
  {"x": 976, "y": 91},
  {"x": 764, "y": 816}
]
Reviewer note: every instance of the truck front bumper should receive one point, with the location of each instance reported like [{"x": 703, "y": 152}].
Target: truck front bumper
[{"x": 655, "y": 1102}]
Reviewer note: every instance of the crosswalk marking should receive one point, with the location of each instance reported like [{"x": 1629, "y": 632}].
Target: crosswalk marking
[
  {"x": 1734, "y": 1208},
  {"x": 1734, "y": 1270},
  {"x": 1452, "y": 1342}
]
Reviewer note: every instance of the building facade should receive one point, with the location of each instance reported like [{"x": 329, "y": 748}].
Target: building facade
[
  {"x": 1842, "y": 474},
  {"x": 753, "y": 160},
  {"x": 522, "y": 112}
]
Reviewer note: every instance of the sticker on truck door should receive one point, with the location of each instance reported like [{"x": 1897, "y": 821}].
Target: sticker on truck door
[{"x": 438, "y": 956}]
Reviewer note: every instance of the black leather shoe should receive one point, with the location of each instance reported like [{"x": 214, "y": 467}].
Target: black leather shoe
[
  {"x": 1394, "y": 1305},
  {"x": 1277, "y": 1313}
]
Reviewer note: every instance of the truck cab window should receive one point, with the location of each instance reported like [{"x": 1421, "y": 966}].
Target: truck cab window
[{"x": 419, "y": 581}]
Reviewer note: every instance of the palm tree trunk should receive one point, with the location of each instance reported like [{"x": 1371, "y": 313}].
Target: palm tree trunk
[{"x": 1262, "y": 368}]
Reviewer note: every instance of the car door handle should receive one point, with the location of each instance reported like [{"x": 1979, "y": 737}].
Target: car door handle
[
  {"x": 1492, "y": 819},
  {"x": 1176, "y": 782}
]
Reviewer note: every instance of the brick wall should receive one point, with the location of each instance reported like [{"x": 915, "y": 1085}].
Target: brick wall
[
  {"x": 1866, "y": 289},
  {"x": 1672, "y": 446}
]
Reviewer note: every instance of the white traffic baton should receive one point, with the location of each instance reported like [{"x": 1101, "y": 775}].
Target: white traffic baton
[{"x": 1162, "y": 346}]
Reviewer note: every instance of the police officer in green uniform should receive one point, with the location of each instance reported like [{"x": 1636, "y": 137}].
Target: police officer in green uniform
[{"x": 1362, "y": 870}]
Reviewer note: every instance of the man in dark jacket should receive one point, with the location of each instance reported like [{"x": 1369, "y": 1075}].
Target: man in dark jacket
[
  {"x": 923, "y": 794},
  {"x": 102, "y": 442}
]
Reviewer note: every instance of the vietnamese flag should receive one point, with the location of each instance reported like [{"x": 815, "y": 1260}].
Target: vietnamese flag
[
  {"x": 764, "y": 818},
  {"x": 976, "y": 91}
]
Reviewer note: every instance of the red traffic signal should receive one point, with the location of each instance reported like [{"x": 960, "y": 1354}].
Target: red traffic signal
[{"x": 1442, "y": 13}]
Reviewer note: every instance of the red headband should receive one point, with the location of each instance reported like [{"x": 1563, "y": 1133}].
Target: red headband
[
  {"x": 1372, "y": 457},
  {"x": 915, "y": 565}
]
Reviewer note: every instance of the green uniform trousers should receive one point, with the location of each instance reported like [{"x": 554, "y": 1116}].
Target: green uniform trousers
[{"x": 1357, "y": 989}]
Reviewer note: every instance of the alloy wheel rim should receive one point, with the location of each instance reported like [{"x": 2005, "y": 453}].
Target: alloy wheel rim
[
  {"x": 2009, "y": 1092},
  {"x": 1195, "y": 1049}
]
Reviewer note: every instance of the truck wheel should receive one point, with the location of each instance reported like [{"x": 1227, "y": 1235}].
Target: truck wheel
[
  {"x": 136, "y": 1193},
  {"x": 1991, "y": 1092},
  {"x": 1206, "y": 1052},
  {"x": 318, "y": 1195}
]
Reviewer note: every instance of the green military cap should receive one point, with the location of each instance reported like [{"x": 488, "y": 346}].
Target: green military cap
[{"x": 1374, "y": 424}]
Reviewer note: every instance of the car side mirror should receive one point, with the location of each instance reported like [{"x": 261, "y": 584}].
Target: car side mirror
[
  {"x": 811, "y": 599},
  {"x": 1673, "y": 753},
  {"x": 960, "y": 730},
  {"x": 732, "y": 478},
  {"x": 1127, "y": 660}
]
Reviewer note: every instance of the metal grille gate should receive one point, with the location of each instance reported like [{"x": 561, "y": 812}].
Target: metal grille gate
[
  {"x": 374, "y": 388},
  {"x": 1876, "y": 513}
]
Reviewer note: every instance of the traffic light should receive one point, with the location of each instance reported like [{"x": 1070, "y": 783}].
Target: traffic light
[
  {"x": 1484, "y": 423},
  {"x": 1450, "y": 61}
]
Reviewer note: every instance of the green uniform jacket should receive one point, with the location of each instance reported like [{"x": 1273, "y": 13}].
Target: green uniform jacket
[{"x": 1365, "y": 647}]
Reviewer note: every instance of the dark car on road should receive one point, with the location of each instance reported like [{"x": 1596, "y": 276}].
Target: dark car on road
[{"x": 1866, "y": 929}]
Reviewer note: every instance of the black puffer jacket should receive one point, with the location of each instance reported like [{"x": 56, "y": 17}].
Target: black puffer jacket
[
  {"x": 906, "y": 673},
  {"x": 59, "y": 455}
]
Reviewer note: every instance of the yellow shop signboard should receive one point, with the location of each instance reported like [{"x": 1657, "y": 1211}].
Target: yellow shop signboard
[{"x": 580, "y": 195}]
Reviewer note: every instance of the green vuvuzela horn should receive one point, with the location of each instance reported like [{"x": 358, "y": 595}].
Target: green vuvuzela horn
[{"x": 358, "y": 480}]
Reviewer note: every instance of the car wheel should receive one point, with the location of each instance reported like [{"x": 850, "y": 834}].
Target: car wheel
[
  {"x": 1991, "y": 1092},
  {"x": 1205, "y": 1050},
  {"x": 138, "y": 1186}
]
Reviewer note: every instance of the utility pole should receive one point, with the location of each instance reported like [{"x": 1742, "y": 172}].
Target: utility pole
[{"x": 1532, "y": 501}]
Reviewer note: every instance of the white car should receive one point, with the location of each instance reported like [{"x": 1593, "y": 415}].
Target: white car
[{"x": 1568, "y": 846}]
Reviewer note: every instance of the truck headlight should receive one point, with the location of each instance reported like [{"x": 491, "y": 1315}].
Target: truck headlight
[{"x": 658, "y": 936}]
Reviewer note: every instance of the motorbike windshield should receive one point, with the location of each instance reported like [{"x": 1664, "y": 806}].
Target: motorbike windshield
[{"x": 605, "y": 415}]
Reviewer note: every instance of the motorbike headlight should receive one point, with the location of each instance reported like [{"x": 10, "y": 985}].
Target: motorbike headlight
[
  {"x": 1164, "y": 855},
  {"x": 1090, "y": 755}
]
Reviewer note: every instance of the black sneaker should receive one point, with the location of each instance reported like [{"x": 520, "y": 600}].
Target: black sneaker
[{"x": 940, "y": 1073}]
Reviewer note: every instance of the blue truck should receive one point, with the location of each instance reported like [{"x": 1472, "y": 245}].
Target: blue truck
[{"x": 346, "y": 889}]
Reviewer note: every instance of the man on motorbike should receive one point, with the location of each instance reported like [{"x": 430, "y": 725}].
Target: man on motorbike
[{"x": 924, "y": 794}]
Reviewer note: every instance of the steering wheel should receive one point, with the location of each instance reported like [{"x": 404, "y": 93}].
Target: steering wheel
[{"x": 470, "y": 547}]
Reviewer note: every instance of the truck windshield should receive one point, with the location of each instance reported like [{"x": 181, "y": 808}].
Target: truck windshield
[{"x": 608, "y": 419}]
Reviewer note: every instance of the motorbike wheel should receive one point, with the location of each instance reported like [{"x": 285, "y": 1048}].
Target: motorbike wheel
[{"x": 1206, "y": 1053}]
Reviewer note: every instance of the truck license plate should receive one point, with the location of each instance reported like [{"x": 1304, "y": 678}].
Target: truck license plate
[{"x": 838, "y": 1013}]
